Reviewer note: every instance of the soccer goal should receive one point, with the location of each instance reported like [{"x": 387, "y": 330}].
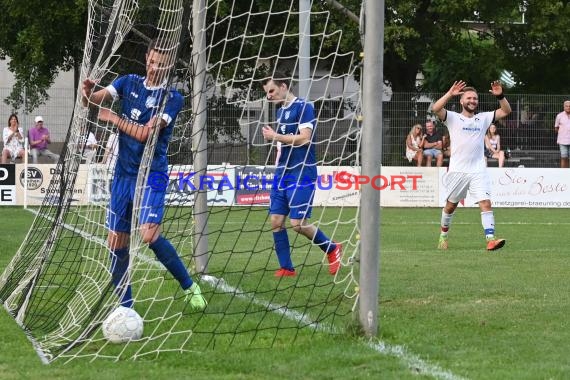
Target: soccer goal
[{"x": 58, "y": 286}]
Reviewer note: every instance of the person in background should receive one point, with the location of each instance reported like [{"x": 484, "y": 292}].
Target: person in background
[
  {"x": 446, "y": 145},
  {"x": 493, "y": 145},
  {"x": 13, "y": 137},
  {"x": 39, "y": 140},
  {"x": 433, "y": 143},
  {"x": 414, "y": 141},
  {"x": 562, "y": 127}
]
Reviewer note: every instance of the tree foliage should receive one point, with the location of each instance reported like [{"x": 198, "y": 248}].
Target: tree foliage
[{"x": 43, "y": 37}]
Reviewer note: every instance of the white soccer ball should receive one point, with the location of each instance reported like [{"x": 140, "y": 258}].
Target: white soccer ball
[{"x": 123, "y": 325}]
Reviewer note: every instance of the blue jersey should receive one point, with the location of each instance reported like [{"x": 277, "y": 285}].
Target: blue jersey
[
  {"x": 139, "y": 104},
  {"x": 297, "y": 162}
]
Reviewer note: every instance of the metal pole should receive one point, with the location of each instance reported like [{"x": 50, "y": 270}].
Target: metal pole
[
  {"x": 371, "y": 157},
  {"x": 199, "y": 133},
  {"x": 304, "y": 48},
  {"x": 26, "y": 129}
]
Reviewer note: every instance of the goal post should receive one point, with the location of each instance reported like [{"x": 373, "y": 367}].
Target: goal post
[
  {"x": 371, "y": 157},
  {"x": 199, "y": 134}
]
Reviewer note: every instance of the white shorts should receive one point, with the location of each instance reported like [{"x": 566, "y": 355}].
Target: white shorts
[{"x": 458, "y": 184}]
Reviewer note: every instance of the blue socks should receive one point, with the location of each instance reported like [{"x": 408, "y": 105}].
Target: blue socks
[
  {"x": 119, "y": 266},
  {"x": 283, "y": 249},
  {"x": 323, "y": 241},
  {"x": 166, "y": 254}
]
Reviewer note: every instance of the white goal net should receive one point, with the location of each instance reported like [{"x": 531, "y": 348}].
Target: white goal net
[{"x": 59, "y": 285}]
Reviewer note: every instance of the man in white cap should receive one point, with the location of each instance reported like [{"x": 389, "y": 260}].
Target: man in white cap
[{"x": 39, "y": 140}]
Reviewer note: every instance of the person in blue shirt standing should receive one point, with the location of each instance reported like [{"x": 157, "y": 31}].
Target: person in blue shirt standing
[
  {"x": 295, "y": 175},
  {"x": 141, "y": 100}
]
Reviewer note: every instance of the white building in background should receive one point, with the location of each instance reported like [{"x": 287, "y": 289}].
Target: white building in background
[{"x": 56, "y": 112}]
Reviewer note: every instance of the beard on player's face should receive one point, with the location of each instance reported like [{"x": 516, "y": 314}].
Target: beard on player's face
[{"x": 470, "y": 107}]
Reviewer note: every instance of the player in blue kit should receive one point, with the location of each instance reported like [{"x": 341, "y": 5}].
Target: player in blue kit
[
  {"x": 295, "y": 176},
  {"x": 141, "y": 103}
]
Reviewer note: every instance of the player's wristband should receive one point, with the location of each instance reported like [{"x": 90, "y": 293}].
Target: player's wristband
[{"x": 501, "y": 96}]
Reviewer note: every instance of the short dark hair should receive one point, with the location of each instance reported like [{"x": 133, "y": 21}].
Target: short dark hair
[
  {"x": 469, "y": 88},
  {"x": 278, "y": 78},
  {"x": 161, "y": 45}
]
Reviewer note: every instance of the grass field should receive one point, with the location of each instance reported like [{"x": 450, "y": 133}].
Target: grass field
[{"x": 464, "y": 313}]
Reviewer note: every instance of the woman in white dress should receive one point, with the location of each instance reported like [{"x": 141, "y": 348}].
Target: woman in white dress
[
  {"x": 413, "y": 143},
  {"x": 493, "y": 145},
  {"x": 13, "y": 137}
]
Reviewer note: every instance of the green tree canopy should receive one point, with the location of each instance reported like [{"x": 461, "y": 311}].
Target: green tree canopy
[{"x": 44, "y": 37}]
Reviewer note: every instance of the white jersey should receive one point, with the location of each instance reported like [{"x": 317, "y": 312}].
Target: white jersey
[{"x": 467, "y": 136}]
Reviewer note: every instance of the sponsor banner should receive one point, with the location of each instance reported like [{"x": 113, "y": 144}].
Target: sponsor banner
[
  {"x": 44, "y": 184},
  {"x": 218, "y": 182},
  {"x": 253, "y": 184},
  {"x": 99, "y": 183},
  {"x": 396, "y": 186},
  {"x": 7, "y": 185},
  {"x": 337, "y": 186},
  {"x": 409, "y": 187},
  {"x": 524, "y": 187}
]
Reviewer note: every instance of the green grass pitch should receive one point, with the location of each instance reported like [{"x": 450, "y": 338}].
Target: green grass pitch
[{"x": 464, "y": 313}]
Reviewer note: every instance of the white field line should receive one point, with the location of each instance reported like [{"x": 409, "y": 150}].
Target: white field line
[
  {"x": 220, "y": 283},
  {"x": 416, "y": 364},
  {"x": 413, "y": 361}
]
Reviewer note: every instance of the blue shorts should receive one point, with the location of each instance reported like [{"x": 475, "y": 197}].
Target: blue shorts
[
  {"x": 119, "y": 213},
  {"x": 295, "y": 200},
  {"x": 432, "y": 152},
  {"x": 564, "y": 151}
]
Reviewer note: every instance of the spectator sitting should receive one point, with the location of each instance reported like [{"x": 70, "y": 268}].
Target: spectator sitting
[
  {"x": 13, "y": 137},
  {"x": 446, "y": 145},
  {"x": 414, "y": 141},
  {"x": 39, "y": 140},
  {"x": 493, "y": 145},
  {"x": 433, "y": 144}
]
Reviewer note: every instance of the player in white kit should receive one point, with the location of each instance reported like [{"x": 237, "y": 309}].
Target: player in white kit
[{"x": 467, "y": 167}]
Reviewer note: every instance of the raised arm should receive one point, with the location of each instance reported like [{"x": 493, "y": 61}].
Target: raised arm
[
  {"x": 438, "y": 107},
  {"x": 505, "y": 107}
]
